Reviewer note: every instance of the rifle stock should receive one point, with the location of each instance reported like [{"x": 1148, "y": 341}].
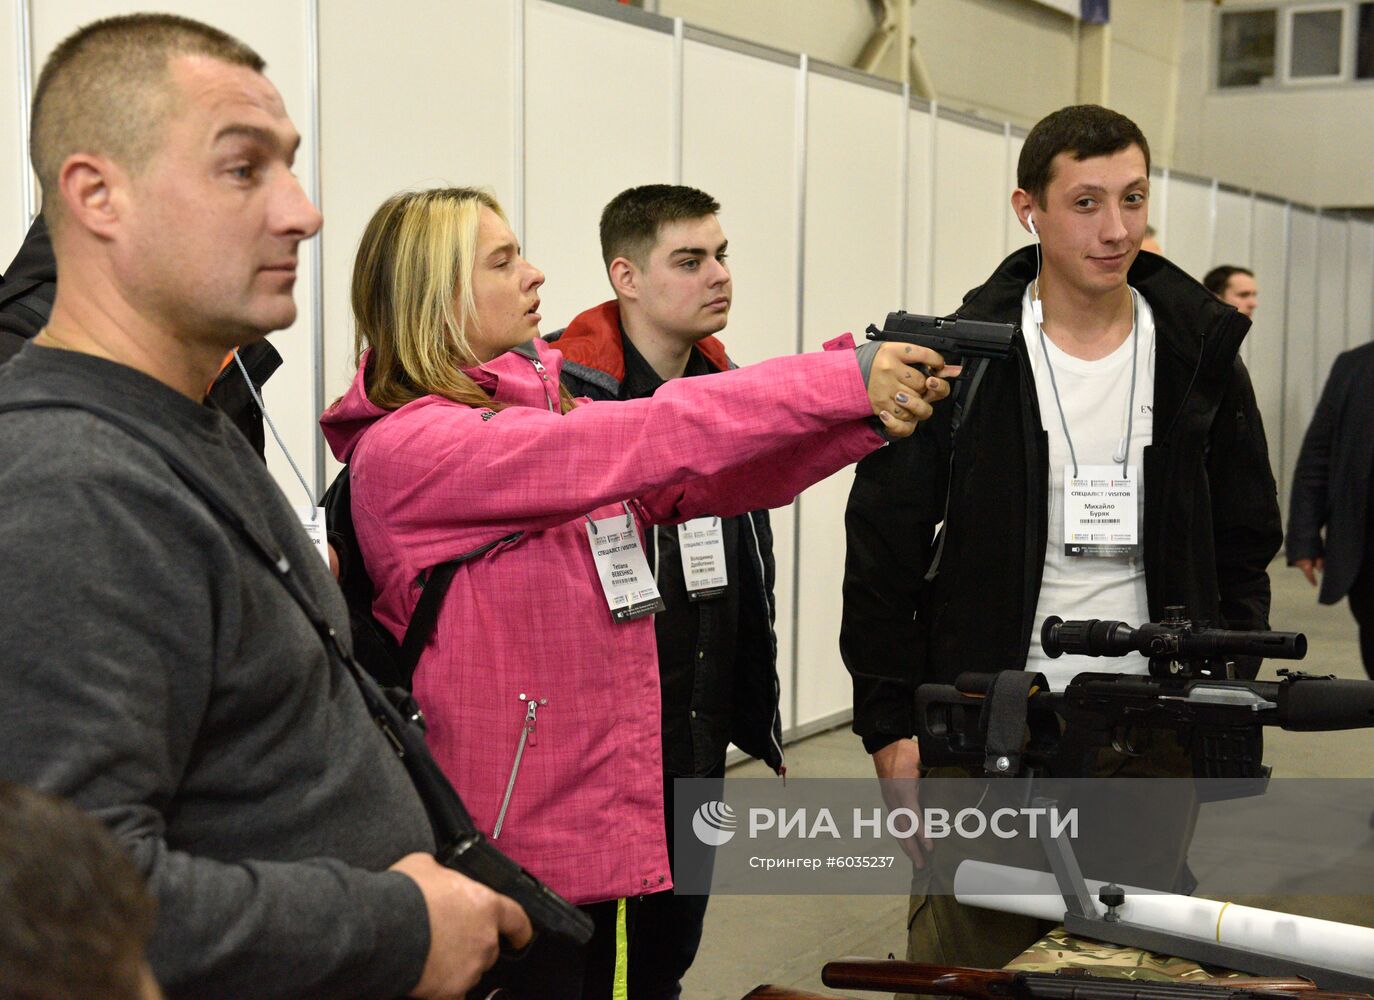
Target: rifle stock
[{"x": 1066, "y": 984}]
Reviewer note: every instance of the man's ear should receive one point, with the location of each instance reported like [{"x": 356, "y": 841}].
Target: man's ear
[
  {"x": 1023, "y": 204},
  {"x": 88, "y": 186},
  {"x": 624, "y": 278}
]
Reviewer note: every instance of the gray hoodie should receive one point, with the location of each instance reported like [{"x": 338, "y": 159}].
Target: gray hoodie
[{"x": 153, "y": 671}]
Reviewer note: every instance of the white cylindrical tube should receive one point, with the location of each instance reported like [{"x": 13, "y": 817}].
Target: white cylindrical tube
[{"x": 1323, "y": 943}]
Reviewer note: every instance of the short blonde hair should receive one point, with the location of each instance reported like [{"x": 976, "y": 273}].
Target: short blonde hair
[
  {"x": 106, "y": 90},
  {"x": 415, "y": 260}
]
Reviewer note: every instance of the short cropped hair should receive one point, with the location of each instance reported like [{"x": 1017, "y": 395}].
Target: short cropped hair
[
  {"x": 1219, "y": 277},
  {"x": 75, "y": 917},
  {"x": 631, "y": 220},
  {"x": 105, "y": 90},
  {"x": 1083, "y": 130}
]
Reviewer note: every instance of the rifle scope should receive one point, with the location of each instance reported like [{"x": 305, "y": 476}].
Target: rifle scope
[{"x": 1094, "y": 637}]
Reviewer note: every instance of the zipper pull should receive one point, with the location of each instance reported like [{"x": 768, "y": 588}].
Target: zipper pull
[
  {"x": 543, "y": 373},
  {"x": 530, "y": 711}
]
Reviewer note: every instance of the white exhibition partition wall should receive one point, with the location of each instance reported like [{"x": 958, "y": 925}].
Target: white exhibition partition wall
[
  {"x": 852, "y": 249},
  {"x": 366, "y": 106},
  {"x": 1264, "y": 345},
  {"x": 15, "y": 175},
  {"x": 1300, "y": 343},
  {"x": 1333, "y": 236},
  {"x": 842, "y": 200},
  {"x": 920, "y": 214},
  {"x": 589, "y": 134},
  {"x": 971, "y": 207},
  {"x": 1189, "y": 222},
  {"x": 1359, "y": 301},
  {"x": 1231, "y": 238},
  {"x": 761, "y": 216}
]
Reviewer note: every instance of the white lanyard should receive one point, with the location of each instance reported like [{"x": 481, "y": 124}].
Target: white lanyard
[
  {"x": 1124, "y": 456},
  {"x": 311, "y": 516}
]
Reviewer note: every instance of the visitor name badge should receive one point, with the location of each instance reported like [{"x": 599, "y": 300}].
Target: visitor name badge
[
  {"x": 701, "y": 544},
  {"x": 312, "y": 520},
  {"x": 1100, "y": 511},
  {"x": 625, "y": 578}
]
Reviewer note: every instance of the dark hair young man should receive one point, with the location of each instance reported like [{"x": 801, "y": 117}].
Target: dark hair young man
[
  {"x": 152, "y": 668},
  {"x": 74, "y": 915},
  {"x": 1235, "y": 286},
  {"x": 1126, "y": 368},
  {"x": 665, "y": 253}
]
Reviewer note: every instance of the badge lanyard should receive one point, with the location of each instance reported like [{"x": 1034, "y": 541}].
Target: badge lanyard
[
  {"x": 311, "y": 516},
  {"x": 1125, "y": 454},
  {"x": 1100, "y": 510}
]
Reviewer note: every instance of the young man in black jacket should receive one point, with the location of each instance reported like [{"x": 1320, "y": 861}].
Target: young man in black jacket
[
  {"x": 1125, "y": 369},
  {"x": 665, "y": 254}
]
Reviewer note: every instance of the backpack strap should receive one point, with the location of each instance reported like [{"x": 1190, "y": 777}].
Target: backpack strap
[
  {"x": 426, "y": 614},
  {"x": 357, "y": 584},
  {"x": 448, "y": 816},
  {"x": 460, "y": 844}
]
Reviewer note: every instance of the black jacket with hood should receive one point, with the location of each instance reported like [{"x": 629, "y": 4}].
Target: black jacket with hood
[{"x": 918, "y": 608}]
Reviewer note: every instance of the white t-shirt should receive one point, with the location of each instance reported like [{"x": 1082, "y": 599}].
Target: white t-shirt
[{"x": 1095, "y": 395}]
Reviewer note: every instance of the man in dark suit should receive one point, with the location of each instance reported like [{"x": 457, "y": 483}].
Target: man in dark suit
[{"x": 1331, "y": 491}]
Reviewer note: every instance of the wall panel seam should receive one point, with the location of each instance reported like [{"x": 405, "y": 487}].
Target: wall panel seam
[
  {"x": 803, "y": 70},
  {"x": 904, "y": 194},
  {"x": 317, "y": 444},
  {"x": 931, "y": 170},
  {"x": 23, "y": 40},
  {"x": 678, "y": 99},
  {"x": 518, "y": 128}
]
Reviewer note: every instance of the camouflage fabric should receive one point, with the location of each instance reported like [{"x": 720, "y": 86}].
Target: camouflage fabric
[{"x": 1059, "y": 950}]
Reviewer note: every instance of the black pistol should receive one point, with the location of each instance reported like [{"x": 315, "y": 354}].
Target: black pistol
[
  {"x": 476, "y": 857},
  {"x": 959, "y": 341}
]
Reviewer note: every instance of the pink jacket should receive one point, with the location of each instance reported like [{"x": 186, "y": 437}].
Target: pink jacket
[{"x": 525, "y": 641}]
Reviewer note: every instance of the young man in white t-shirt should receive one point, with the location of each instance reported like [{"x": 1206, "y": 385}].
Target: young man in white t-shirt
[{"x": 1114, "y": 465}]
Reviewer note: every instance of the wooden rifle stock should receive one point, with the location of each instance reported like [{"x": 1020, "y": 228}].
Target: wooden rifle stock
[{"x": 1067, "y": 984}]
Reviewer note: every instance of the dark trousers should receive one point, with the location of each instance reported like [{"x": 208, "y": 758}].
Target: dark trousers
[
  {"x": 555, "y": 969},
  {"x": 1362, "y": 607},
  {"x": 668, "y": 926}
]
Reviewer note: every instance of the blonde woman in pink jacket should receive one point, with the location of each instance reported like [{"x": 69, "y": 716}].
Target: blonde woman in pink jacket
[{"x": 540, "y": 684}]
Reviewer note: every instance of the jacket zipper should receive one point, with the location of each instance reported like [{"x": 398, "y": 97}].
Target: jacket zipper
[
  {"x": 773, "y": 725},
  {"x": 543, "y": 373},
  {"x": 526, "y": 739}
]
